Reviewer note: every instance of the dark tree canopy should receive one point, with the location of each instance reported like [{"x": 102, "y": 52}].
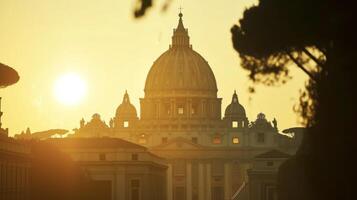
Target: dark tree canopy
[
  {"x": 319, "y": 38},
  {"x": 8, "y": 76}
]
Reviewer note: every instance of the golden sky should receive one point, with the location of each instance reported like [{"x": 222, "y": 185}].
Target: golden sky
[{"x": 112, "y": 52}]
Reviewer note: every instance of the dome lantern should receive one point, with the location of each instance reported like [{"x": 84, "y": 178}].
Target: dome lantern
[{"x": 180, "y": 36}]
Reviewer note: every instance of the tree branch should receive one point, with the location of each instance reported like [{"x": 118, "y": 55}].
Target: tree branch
[
  {"x": 300, "y": 65},
  {"x": 317, "y": 61}
]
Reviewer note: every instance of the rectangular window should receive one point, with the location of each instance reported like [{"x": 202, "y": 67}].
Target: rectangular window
[
  {"x": 180, "y": 110},
  {"x": 235, "y": 140},
  {"x": 234, "y": 124},
  {"x": 102, "y": 157},
  {"x": 217, "y": 139},
  {"x": 134, "y": 156},
  {"x": 194, "y": 140},
  {"x": 125, "y": 124}
]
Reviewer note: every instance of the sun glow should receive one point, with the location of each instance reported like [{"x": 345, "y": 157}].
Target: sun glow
[{"x": 70, "y": 89}]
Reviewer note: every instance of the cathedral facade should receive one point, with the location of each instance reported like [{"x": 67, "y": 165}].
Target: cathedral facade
[{"x": 207, "y": 155}]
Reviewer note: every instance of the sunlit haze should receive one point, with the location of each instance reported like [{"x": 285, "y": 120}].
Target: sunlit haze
[
  {"x": 69, "y": 89},
  {"x": 110, "y": 52}
]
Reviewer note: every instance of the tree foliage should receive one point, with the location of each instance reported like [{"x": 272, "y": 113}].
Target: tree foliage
[
  {"x": 318, "y": 37},
  {"x": 8, "y": 76}
]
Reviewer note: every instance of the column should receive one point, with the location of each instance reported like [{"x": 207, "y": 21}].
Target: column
[
  {"x": 227, "y": 181},
  {"x": 169, "y": 182},
  {"x": 208, "y": 181},
  {"x": 189, "y": 107},
  {"x": 173, "y": 108},
  {"x": 188, "y": 181},
  {"x": 119, "y": 186},
  {"x": 201, "y": 182}
]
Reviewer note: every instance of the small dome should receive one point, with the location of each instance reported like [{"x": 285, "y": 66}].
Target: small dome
[
  {"x": 126, "y": 109},
  {"x": 235, "y": 109},
  {"x": 180, "y": 70}
]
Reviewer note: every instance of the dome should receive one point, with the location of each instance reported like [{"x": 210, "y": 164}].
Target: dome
[
  {"x": 180, "y": 70},
  {"x": 235, "y": 109},
  {"x": 126, "y": 109}
]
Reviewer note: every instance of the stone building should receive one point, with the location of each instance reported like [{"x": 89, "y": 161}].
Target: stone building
[
  {"x": 264, "y": 174},
  {"x": 180, "y": 120},
  {"x": 120, "y": 170},
  {"x": 14, "y": 167}
]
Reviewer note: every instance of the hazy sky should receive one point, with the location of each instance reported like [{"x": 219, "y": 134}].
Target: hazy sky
[{"x": 112, "y": 52}]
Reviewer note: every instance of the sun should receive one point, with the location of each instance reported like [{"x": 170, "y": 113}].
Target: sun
[{"x": 70, "y": 89}]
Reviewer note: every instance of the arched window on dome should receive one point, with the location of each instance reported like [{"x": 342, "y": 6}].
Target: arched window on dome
[{"x": 243, "y": 124}]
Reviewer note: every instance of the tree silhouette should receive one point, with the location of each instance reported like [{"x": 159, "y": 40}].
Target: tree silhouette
[
  {"x": 318, "y": 37},
  {"x": 8, "y": 76}
]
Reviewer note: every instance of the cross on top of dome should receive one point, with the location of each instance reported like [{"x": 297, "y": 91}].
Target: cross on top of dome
[{"x": 180, "y": 14}]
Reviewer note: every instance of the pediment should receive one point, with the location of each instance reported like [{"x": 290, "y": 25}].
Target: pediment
[{"x": 179, "y": 143}]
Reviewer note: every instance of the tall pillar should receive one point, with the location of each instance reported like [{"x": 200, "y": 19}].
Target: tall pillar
[
  {"x": 173, "y": 108},
  {"x": 169, "y": 182},
  {"x": 201, "y": 182},
  {"x": 227, "y": 181},
  {"x": 188, "y": 181},
  {"x": 208, "y": 181},
  {"x": 119, "y": 187}
]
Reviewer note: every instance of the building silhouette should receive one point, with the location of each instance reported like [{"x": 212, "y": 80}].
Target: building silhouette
[
  {"x": 14, "y": 167},
  {"x": 207, "y": 155}
]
